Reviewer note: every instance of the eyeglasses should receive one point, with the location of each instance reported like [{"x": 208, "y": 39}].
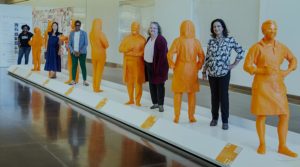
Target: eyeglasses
[{"x": 78, "y": 25}]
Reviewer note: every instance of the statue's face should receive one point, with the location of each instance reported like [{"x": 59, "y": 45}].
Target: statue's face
[
  {"x": 72, "y": 24},
  {"x": 135, "y": 28},
  {"x": 37, "y": 30},
  {"x": 270, "y": 31}
]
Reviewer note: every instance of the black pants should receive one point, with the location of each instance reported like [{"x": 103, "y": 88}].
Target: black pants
[
  {"x": 157, "y": 91},
  {"x": 219, "y": 96}
]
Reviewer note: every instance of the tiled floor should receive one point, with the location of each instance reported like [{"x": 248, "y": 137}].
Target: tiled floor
[{"x": 39, "y": 130}]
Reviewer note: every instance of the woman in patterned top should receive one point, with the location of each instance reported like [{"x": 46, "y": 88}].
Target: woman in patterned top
[{"x": 217, "y": 65}]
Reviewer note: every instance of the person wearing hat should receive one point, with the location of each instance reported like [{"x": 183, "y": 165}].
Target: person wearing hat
[{"x": 24, "y": 47}]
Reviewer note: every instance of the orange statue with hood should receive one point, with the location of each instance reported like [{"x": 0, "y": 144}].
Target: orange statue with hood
[
  {"x": 49, "y": 29},
  {"x": 36, "y": 43},
  {"x": 69, "y": 65},
  {"x": 99, "y": 44},
  {"x": 268, "y": 89},
  {"x": 132, "y": 46},
  {"x": 189, "y": 60}
]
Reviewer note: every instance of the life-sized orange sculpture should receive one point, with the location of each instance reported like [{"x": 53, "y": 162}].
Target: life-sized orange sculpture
[
  {"x": 132, "y": 47},
  {"x": 36, "y": 43},
  {"x": 189, "y": 60},
  {"x": 99, "y": 44},
  {"x": 268, "y": 89},
  {"x": 69, "y": 66},
  {"x": 49, "y": 29}
]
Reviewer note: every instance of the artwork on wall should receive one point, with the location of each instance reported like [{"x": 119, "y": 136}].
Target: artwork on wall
[{"x": 60, "y": 15}]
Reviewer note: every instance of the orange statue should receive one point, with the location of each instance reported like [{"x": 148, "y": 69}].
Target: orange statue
[
  {"x": 189, "y": 60},
  {"x": 268, "y": 90},
  {"x": 96, "y": 144},
  {"x": 49, "y": 29},
  {"x": 132, "y": 47},
  {"x": 37, "y": 44},
  {"x": 69, "y": 66},
  {"x": 99, "y": 44}
]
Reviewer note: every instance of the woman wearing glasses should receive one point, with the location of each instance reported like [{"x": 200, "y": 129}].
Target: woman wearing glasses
[{"x": 156, "y": 63}]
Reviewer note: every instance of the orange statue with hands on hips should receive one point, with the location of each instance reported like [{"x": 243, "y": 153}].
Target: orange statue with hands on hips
[
  {"x": 99, "y": 44},
  {"x": 69, "y": 65},
  {"x": 189, "y": 60},
  {"x": 268, "y": 89},
  {"x": 36, "y": 43},
  {"x": 132, "y": 46}
]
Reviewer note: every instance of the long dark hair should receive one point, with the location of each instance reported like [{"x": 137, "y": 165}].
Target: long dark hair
[
  {"x": 225, "y": 30},
  {"x": 158, "y": 28},
  {"x": 57, "y": 33}
]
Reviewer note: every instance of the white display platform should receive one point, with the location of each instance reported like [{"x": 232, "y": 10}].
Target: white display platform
[{"x": 198, "y": 138}]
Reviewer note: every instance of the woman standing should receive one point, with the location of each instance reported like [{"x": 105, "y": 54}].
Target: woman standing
[
  {"x": 53, "y": 60},
  {"x": 156, "y": 63},
  {"x": 217, "y": 64}
]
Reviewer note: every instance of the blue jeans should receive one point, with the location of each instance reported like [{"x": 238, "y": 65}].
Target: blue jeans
[{"x": 24, "y": 51}]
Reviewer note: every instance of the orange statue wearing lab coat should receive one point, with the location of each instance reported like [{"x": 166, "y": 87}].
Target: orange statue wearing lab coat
[
  {"x": 132, "y": 47},
  {"x": 99, "y": 44},
  {"x": 69, "y": 66},
  {"x": 189, "y": 60},
  {"x": 268, "y": 90},
  {"x": 36, "y": 43}
]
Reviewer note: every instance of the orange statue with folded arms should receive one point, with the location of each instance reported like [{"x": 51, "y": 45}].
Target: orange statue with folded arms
[
  {"x": 69, "y": 61},
  {"x": 268, "y": 89},
  {"x": 99, "y": 44},
  {"x": 189, "y": 60},
  {"x": 132, "y": 46},
  {"x": 36, "y": 43}
]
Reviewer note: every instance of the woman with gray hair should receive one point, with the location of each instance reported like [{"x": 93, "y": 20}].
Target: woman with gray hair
[{"x": 156, "y": 65}]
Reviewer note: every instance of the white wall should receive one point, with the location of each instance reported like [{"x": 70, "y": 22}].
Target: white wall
[
  {"x": 54, "y": 3},
  {"x": 241, "y": 18},
  {"x": 170, "y": 13},
  {"x": 11, "y": 26},
  {"x": 286, "y": 13},
  {"x": 108, "y": 11}
]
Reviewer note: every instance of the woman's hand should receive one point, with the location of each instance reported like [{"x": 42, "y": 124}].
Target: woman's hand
[
  {"x": 172, "y": 66},
  {"x": 204, "y": 76},
  {"x": 284, "y": 73},
  {"x": 60, "y": 52},
  {"x": 232, "y": 66}
]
